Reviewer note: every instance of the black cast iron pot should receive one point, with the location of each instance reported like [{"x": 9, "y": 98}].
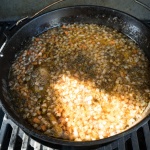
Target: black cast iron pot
[{"x": 120, "y": 21}]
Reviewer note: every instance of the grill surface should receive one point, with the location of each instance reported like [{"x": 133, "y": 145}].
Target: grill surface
[{"x": 13, "y": 138}]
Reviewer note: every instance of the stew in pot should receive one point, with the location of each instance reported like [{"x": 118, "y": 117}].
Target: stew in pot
[{"x": 80, "y": 82}]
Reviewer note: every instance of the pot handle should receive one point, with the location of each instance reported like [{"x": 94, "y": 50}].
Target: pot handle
[
  {"x": 7, "y": 34},
  {"x": 142, "y": 4},
  {"x": 37, "y": 13},
  {"x": 4, "y": 43}
]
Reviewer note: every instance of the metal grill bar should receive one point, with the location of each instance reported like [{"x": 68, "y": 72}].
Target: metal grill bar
[
  {"x": 25, "y": 142},
  {"x": 46, "y": 148},
  {"x": 35, "y": 145},
  {"x": 102, "y": 148},
  {"x": 121, "y": 143},
  {"x": 109, "y": 147},
  {"x": 13, "y": 137},
  {"x": 2, "y": 131},
  {"x": 135, "y": 143},
  {"x": 146, "y": 130}
]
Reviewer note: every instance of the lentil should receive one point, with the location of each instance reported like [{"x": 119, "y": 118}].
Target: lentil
[{"x": 81, "y": 82}]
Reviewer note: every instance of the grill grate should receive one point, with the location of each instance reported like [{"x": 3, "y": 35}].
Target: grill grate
[
  {"x": 18, "y": 139},
  {"x": 13, "y": 138}
]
